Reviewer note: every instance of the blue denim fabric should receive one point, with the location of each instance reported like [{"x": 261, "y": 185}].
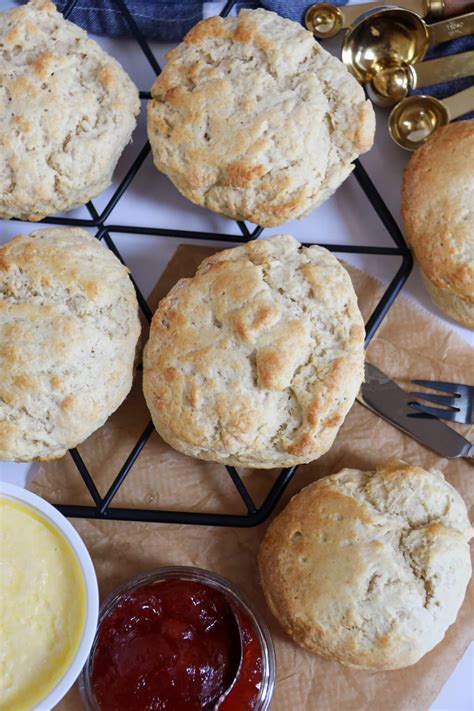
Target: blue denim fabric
[
  {"x": 158, "y": 19},
  {"x": 163, "y": 20},
  {"x": 168, "y": 21},
  {"x": 462, "y": 44}
]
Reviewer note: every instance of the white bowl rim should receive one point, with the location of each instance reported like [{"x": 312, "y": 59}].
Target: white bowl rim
[{"x": 60, "y": 522}]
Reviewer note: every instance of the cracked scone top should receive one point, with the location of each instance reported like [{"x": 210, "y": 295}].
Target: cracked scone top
[
  {"x": 251, "y": 118},
  {"x": 68, "y": 332},
  {"x": 257, "y": 359},
  {"x": 67, "y": 109},
  {"x": 369, "y": 568}
]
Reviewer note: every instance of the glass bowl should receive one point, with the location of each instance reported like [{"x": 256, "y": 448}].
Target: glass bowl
[{"x": 239, "y": 604}]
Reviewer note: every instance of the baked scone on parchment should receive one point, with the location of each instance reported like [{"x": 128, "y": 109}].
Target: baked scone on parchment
[
  {"x": 369, "y": 568},
  {"x": 68, "y": 332},
  {"x": 257, "y": 359},
  {"x": 67, "y": 110},
  {"x": 438, "y": 211},
  {"x": 253, "y": 119}
]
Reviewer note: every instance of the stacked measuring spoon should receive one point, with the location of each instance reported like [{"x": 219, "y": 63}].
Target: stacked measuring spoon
[{"x": 384, "y": 48}]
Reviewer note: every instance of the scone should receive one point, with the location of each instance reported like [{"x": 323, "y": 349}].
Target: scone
[
  {"x": 67, "y": 109},
  {"x": 369, "y": 568},
  {"x": 257, "y": 359},
  {"x": 68, "y": 331},
  {"x": 438, "y": 212},
  {"x": 251, "y": 118}
]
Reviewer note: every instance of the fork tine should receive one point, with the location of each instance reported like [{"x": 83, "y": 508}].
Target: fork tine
[
  {"x": 435, "y": 411},
  {"x": 438, "y": 385},
  {"x": 446, "y": 400}
]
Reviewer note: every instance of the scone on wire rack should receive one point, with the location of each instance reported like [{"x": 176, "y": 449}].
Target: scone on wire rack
[
  {"x": 257, "y": 359},
  {"x": 369, "y": 568},
  {"x": 69, "y": 328},
  {"x": 438, "y": 211},
  {"x": 251, "y": 118},
  {"x": 67, "y": 110}
]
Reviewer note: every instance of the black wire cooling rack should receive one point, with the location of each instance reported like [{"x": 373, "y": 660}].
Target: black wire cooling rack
[{"x": 102, "y": 505}]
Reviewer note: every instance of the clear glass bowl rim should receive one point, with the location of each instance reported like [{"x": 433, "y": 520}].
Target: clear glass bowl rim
[{"x": 184, "y": 572}]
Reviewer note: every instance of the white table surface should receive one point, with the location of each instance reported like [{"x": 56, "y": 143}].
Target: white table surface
[{"x": 346, "y": 218}]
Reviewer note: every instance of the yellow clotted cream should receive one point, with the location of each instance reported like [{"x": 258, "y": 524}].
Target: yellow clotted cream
[{"x": 42, "y": 606}]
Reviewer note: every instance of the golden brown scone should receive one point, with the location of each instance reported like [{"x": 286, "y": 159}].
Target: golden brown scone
[
  {"x": 369, "y": 568},
  {"x": 68, "y": 332},
  {"x": 257, "y": 359},
  {"x": 438, "y": 212},
  {"x": 67, "y": 110},
  {"x": 253, "y": 119}
]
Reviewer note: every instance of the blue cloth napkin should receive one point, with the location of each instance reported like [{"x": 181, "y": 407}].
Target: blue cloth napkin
[
  {"x": 168, "y": 21},
  {"x": 164, "y": 20}
]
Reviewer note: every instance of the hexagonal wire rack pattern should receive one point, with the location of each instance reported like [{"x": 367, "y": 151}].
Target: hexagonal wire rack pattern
[{"x": 102, "y": 508}]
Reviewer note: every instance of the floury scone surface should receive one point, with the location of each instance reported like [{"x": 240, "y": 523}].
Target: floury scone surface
[
  {"x": 67, "y": 110},
  {"x": 253, "y": 119},
  {"x": 69, "y": 328},
  {"x": 257, "y": 359},
  {"x": 437, "y": 207},
  {"x": 369, "y": 568}
]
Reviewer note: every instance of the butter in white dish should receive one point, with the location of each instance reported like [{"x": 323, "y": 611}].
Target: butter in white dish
[{"x": 43, "y": 604}]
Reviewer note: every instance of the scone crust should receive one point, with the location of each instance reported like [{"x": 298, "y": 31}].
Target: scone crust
[
  {"x": 251, "y": 118},
  {"x": 257, "y": 359},
  {"x": 456, "y": 307},
  {"x": 438, "y": 208},
  {"x": 68, "y": 332},
  {"x": 67, "y": 109},
  {"x": 369, "y": 568}
]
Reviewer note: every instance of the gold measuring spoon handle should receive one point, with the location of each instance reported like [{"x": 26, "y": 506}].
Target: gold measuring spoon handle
[
  {"x": 325, "y": 20},
  {"x": 449, "y": 29},
  {"x": 460, "y": 103},
  {"x": 435, "y": 71},
  {"x": 449, "y": 8}
]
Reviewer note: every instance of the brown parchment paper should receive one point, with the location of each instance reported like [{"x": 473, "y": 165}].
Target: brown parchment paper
[{"x": 409, "y": 344}]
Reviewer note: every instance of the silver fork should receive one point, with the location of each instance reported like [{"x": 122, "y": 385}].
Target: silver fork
[{"x": 457, "y": 406}]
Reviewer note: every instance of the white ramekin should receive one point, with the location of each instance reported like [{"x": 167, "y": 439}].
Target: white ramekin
[{"x": 61, "y": 523}]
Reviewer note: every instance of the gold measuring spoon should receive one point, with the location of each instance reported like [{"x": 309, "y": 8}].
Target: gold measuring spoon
[
  {"x": 392, "y": 35},
  {"x": 392, "y": 83},
  {"x": 325, "y": 20},
  {"x": 416, "y": 118}
]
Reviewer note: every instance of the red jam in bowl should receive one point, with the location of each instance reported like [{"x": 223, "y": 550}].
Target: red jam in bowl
[
  {"x": 176, "y": 645},
  {"x": 244, "y": 694}
]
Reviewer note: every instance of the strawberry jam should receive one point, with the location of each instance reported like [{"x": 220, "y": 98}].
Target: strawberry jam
[
  {"x": 172, "y": 645},
  {"x": 244, "y": 694}
]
